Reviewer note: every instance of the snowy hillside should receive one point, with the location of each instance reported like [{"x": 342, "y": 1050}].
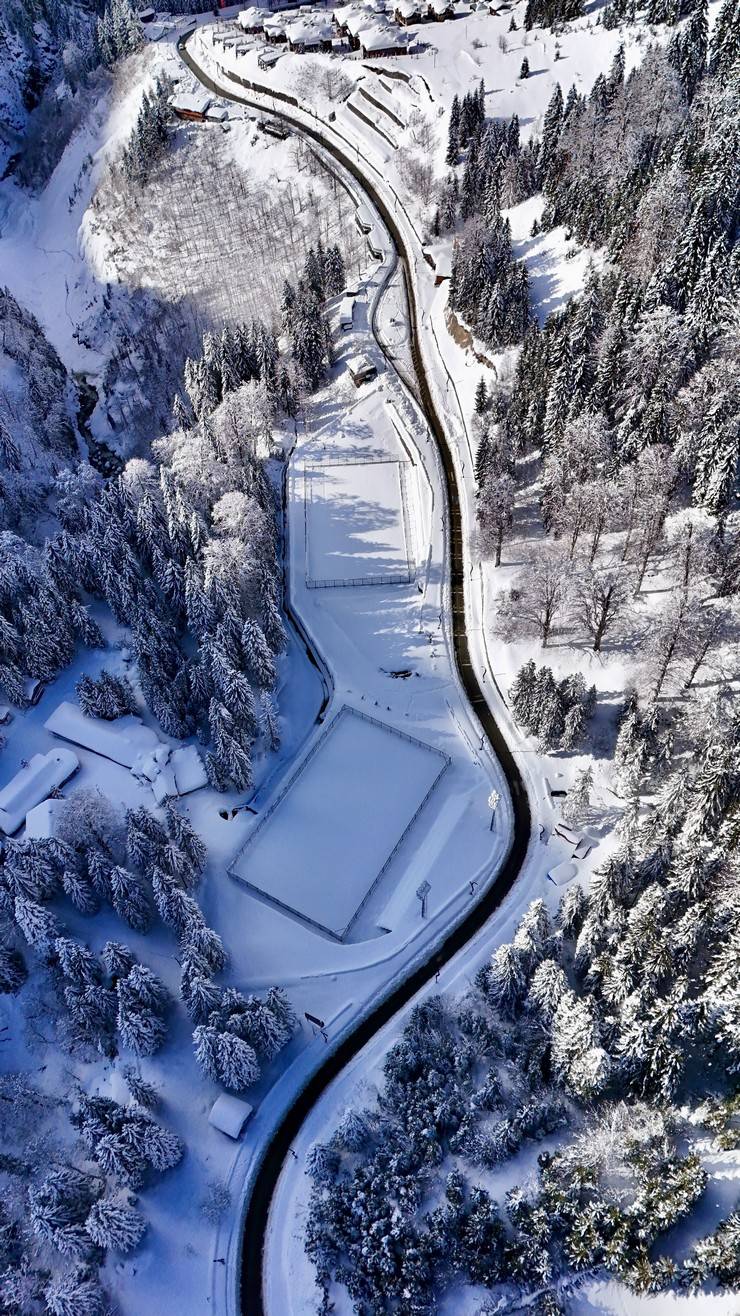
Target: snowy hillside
[{"x": 369, "y": 634}]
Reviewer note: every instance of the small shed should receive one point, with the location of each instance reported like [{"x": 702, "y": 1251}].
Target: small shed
[
  {"x": 375, "y": 244},
  {"x": 268, "y": 58},
  {"x": 190, "y": 105},
  {"x": 363, "y": 219},
  {"x": 32, "y": 689},
  {"x": 563, "y": 873},
  {"x": 146, "y": 15},
  {"x": 229, "y": 1115},
  {"x": 346, "y": 313},
  {"x": 217, "y": 114},
  {"x": 34, "y": 783},
  {"x": 274, "y": 30},
  {"x": 361, "y": 369},
  {"x": 442, "y": 267}
]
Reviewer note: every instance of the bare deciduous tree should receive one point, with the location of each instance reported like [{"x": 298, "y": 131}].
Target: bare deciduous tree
[
  {"x": 602, "y": 596},
  {"x": 539, "y": 596}
]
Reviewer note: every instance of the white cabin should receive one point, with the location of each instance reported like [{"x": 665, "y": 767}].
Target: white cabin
[
  {"x": 34, "y": 783},
  {"x": 122, "y": 740}
]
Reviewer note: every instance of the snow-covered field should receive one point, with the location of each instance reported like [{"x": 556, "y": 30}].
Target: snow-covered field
[
  {"x": 351, "y": 802},
  {"x": 356, "y": 524}
]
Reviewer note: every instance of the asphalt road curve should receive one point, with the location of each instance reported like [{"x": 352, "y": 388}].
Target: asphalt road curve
[{"x": 273, "y": 1155}]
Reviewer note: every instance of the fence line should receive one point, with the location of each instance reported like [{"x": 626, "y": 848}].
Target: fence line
[
  {"x": 374, "y": 579},
  {"x": 354, "y": 582}
]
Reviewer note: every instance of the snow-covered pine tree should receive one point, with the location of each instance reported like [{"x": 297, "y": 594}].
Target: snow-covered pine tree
[
  {"x": 13, "y": 971},
  {"x": 113, "y": 1224}
]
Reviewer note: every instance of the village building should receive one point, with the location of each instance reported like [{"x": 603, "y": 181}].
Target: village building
[
  {"x": 383, "y": 40},
  {"x": 355, "y": 24},
  {"x": 274, "y": 29},
  {"x": 251, "y": 20},
  {"x": 408, "y": 12},
  {"x": 34, "y": 783},
  {"x": 361, "y": 369},
  {"x": 340, "y": 16},
  {"x": 307, "y": 35},
  {"x": 190, "y": 105}
]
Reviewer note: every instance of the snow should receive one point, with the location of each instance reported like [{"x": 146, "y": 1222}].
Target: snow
[
  {"x": 41, "y": 821},
  {"x": 190, "y": 102},
  {"x": 355, "y": 794},
  {"x": 188, "y": 769},
  {"x": 122, "y": 740},
  {"x": 32, "y": 784},
  {"x": 452, "y": 64},
  {"x": 252, "y": 17},
  {"x": 229, "y": 1115},
  {"x": 563, "y": 873},
  {"x": 359, "y": 637},
  {"x": 355, "y": 524},
  {"x": 360, "y": 368}
]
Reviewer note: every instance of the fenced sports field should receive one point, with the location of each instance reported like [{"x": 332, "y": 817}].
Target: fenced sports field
[
  {"x": 335, "y": 827},
  {"x": 357, "y": 524}
]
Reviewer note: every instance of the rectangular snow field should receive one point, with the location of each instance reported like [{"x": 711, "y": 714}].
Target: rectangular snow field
[
  {"x": 333, "y": 829},
  {"x": 356, "y": 525}
]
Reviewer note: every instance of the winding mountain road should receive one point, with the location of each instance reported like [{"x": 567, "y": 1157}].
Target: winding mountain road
[{"x": 273, "y": 1154}]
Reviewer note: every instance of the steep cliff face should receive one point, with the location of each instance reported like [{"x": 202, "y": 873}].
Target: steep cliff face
[
  {"x": 46, "y": 47},
  {"x": 37, "y": 430}
]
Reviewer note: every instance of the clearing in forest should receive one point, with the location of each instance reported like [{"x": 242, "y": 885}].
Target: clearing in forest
[
  {"x": 334, "y": 828},
  {"x": 357, "y": 524}
]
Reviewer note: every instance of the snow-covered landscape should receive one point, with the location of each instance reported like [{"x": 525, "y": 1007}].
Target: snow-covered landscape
[{"x": 370, "y": 658}]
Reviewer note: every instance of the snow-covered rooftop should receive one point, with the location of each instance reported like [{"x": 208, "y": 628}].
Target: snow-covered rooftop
[
  {"x": 308, "y": 30},
  {"x": 190, "y": 102},
  {"x": 360, "y": 365},
  {"x": 229, "y": 1114},
  {"x": 252, "y": 17},
  {"x": 358, "y": 21},
  {"x": 342, "y": 13},
  {"x": 32, "y": 784},
  {"x": 123, "y": 740},
  {"x": 383, "y": 38},
  {"x": 41, "y": 820}
]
